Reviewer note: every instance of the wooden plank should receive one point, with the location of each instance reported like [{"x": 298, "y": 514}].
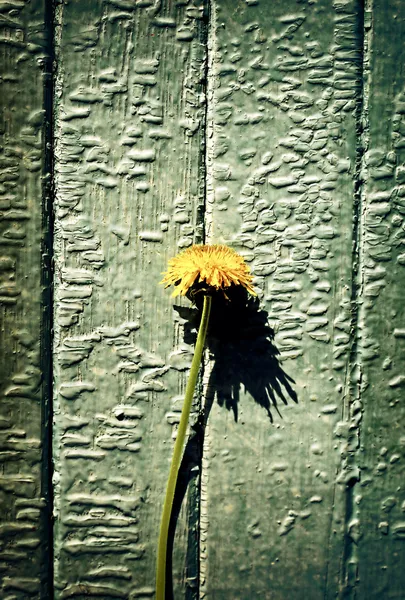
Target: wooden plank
[
  {"x": 129, "y": 189},
  {"x": 379, "y": 557},
  {"x": 24, "y": 363},
  {"x": 282, "y": 163}
]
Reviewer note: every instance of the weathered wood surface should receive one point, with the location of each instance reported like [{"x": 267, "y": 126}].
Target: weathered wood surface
[
  {"x": 380, "y": 492},
  {"x": 24, "y": 302},
  {"x": 308, "y": 128},
  {"x": 129, "y": 179},
  {"x": 286, "y": 95},
  {"x": 288, "y": 144}
]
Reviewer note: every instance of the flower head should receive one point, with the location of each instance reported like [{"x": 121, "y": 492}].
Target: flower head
[{"x": 217, "y": 265}]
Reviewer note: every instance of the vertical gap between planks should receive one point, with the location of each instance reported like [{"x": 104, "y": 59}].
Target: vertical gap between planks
[
  {"x": 47, "y": 590},
  {"x": 209, "y": 121},
  {"x": 352, "y": 512},
  {"x": 207, "y": 239},
  {"x": 195, "y": 502},
  {"x": 193, "y": 555}
]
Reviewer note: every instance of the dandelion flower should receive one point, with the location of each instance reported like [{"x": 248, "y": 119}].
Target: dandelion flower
[{"x": 217, "y": 265}]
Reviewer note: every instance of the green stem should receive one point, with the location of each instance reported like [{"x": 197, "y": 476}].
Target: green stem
[{"x": 178, "y": 451}]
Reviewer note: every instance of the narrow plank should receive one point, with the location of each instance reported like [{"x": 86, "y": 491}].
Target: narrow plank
[
  {"x": 24, "y": 514},
  {"x": 129, "y": 190},
  {"x": 380, "y": 558},
  {"x": 282, "y": 164}
]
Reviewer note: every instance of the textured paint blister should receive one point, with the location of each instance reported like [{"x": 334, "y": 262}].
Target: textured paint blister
[
  {"x": 24, "y": 530},
  {"x": 286, "y": 143},
  {"x": 129, "y": 124},
  {"x": 380, "y": 492},
  {"x": 283, "y": 161}
]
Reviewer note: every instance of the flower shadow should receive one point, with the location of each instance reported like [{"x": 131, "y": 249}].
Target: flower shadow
[
  {"x": 243, "y": 352},
  {"x": 241, "y": 344},
  {"x": 244, "y": 355}
]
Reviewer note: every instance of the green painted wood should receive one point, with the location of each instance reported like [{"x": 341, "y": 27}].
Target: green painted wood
[
  {"x": 380, "y": 492},
  {"x": 25, "y": 530},
  {"x": 129, "y": 129},
  {"x": 283, "y": 161},
  {"x": 286, "y": 144}
]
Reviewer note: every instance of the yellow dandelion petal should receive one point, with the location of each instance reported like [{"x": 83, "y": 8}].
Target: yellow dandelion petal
[{"x": 217, "y": 265}]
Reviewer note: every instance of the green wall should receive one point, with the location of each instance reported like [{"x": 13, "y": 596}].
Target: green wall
[{"x": 131, "y": 129}]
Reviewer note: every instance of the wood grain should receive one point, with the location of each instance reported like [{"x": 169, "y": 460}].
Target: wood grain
[
  {"x": 25, "y": 529},
  {"x": 129, "y": 190},
  {"x": 282, "y": 167},
  {"x": 379, "y": 506},
  {"x": 274, "y": 127}
]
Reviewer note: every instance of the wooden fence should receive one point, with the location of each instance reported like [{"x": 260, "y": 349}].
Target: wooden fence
[{"x": 131, "y": 129}]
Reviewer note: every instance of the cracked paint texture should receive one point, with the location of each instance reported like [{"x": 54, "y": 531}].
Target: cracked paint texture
[{"x": 277, "y": 128}]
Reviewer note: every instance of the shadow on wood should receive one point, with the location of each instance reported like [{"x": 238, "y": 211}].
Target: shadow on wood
[{"x": 241, "y": 346}]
